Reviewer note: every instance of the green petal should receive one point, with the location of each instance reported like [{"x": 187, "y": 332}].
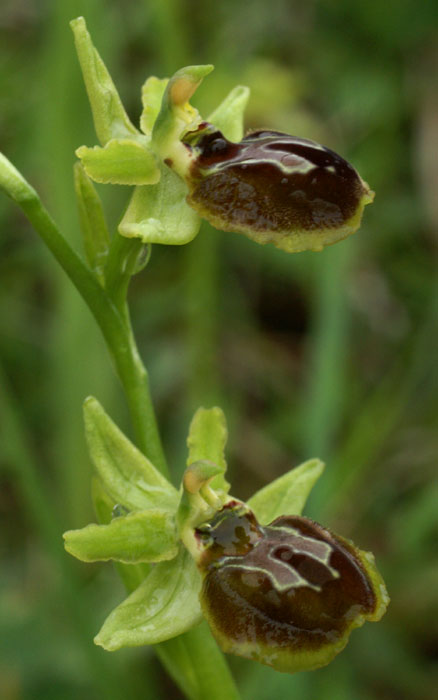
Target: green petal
[
  {"x": 127, "y": 475},
  {"x": 120, "y": 162},
  {"x": 131, "y": 574},
  {"x": 94, "y": 230},
  {"x": 159, "y": 213},
  {"x": 228, "y": 116},
  {"x": 288, "y": 494},
  {"x": 110, "y": 118},
  {"x": 207, "y": 438},
  {"x": 145, "y": 536},
  {"x": 151, "y": 97},
  {"x": 165, "y": 605}
]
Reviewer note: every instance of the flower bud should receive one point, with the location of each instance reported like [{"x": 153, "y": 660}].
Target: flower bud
[
  {"x": 287, "y": 594},
  {"x": 274, "y": 188}
]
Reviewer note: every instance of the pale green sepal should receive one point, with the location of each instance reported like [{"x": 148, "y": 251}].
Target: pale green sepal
[
  {"x": 131, "y": 574},
  {"x": 143, "y": 536},
  {"x": 14, "y": 184},
  {"x": 120, "y": 162},
  {"x": 164, "y": 605},
  {"x": 95, "y": 235},
  {"x": 151, "y": 97},
  {"x": 110, "y": 118},
  {"x": 207, "y": 439},
  {"x": 127, "y": 475},
  {"x": 160, "y": 214},
  {"x": 228, "y": 116},
  {"x": 288, "y": 494}
]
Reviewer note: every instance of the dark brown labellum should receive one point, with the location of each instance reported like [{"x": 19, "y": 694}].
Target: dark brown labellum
[
  {"x": 275, "y": 188},
  {"x": 287, "y": 594}
]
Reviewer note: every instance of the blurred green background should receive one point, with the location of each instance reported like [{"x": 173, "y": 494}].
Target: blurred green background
[{"x": 329, "y": 354}]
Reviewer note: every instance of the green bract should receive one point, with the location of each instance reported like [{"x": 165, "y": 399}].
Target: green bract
[{"x": 95, "y": 234}]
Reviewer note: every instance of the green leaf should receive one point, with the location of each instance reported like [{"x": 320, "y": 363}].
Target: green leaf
[
  {"x": 288, "y": 494},
  {"x": 120, "y": 162},
  {"x": 95, "y": 234},
  {"x": 159, "y": 213},
  {"x": 165, "y": 605},
  {"x": 127, "y": 475},
  {"x": 144, "y": 536},
  {"x": 110, "y": 118},
  {"x": 228, "y": 116},
  {"x": 207, "y": 439},
  {"x": 151, "y": 97}
]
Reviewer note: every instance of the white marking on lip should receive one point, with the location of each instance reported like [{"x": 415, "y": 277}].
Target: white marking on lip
[{"x": 288, "y": 164}]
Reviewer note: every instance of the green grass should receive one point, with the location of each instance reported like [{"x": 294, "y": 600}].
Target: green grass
[{"x": 327, "y": 355}]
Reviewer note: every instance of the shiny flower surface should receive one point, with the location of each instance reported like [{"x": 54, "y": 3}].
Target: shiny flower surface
[
  {"x": 275, "y": 188},
  {"x": 287, "y": 594}
]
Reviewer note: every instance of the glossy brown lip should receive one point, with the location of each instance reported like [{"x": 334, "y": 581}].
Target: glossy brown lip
[
  {"x": 291, "y": 586},
  {"x": 271, "y": 181}
]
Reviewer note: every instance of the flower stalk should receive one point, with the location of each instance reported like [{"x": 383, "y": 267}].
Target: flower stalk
[{"x": 273, "y": 585}]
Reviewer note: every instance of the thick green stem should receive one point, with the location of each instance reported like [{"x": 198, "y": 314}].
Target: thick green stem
[
  {"x": 113, "y": 324},
  {"x": 197, "y": 666},
  {"x": 121, "y": 265},
  {"x": 135, "y": 380},
  {"x": 193, "y": 659}
]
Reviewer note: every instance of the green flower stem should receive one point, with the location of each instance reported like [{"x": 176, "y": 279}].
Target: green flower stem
[
  {"x": 119, "y": 268},
  {"x": 193, "y": 659},
  {"x": 206, "y": 675},
  {"x": 114, "y": 325}
]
